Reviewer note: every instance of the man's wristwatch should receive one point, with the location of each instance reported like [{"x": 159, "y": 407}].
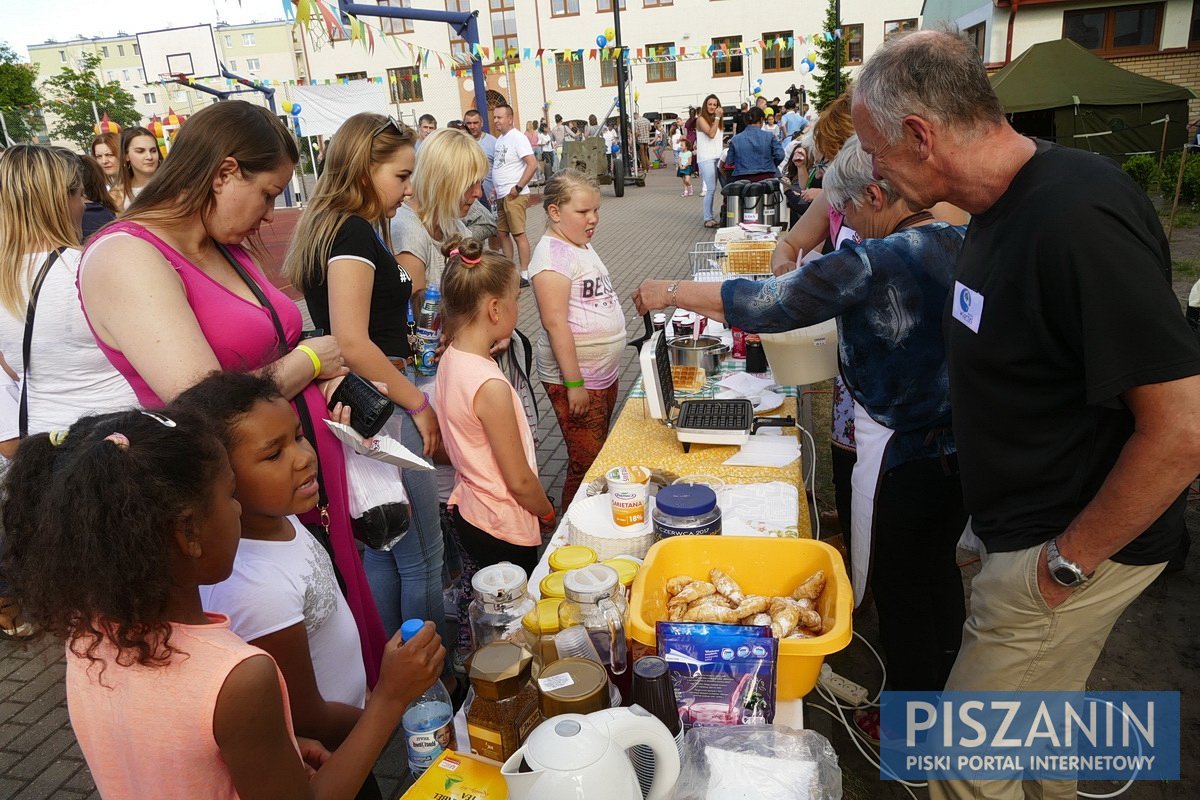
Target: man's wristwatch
[
  {"x": 520, "y": 188},
  {"x": 1064, "y": 571}
]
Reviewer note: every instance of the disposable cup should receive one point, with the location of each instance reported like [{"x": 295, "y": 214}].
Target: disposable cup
[{"x": 574, "y": 642}]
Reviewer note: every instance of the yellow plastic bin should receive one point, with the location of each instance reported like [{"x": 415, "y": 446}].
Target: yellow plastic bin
[{"x": 766, "y": 566}]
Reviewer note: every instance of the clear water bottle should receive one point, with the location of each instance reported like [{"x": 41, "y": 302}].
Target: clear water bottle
[
  {"x": 429, "y": 720},
  {"x": 429, "y": 330}
]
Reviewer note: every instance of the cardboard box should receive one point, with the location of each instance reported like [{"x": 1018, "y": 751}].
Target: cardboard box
[{"x": 455, "y": 776}]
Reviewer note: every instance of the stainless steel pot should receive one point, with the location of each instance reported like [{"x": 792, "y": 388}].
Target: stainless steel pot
[{"x": 705, "y": 352}]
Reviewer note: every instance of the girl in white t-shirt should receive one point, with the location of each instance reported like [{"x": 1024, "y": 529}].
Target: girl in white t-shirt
[
  {"x": 580, "y": 351},
  {"x": 283, "y": 594}
]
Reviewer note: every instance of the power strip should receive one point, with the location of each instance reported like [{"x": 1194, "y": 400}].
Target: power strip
[{"x": 842, "y": 688}]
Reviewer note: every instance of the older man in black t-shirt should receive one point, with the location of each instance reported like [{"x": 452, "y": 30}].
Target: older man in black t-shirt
[{"x": 1074, "y": 380}]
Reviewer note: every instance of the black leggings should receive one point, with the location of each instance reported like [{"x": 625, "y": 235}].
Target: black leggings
[
  {"x": 914, "y": 572},
  {"x": 486, "y": 549}
]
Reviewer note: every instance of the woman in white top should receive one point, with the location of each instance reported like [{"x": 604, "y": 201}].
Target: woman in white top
[
  {"x": 708, "y": 152},
  {"x": 41, "y": 209},
  {"x": 139, "y": 162}
]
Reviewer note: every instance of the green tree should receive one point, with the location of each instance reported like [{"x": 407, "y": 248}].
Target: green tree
[
  {"x": 70, "y": 95},
  {"x": 18, "y": 98},
  {"x": 831, "y": 55}
]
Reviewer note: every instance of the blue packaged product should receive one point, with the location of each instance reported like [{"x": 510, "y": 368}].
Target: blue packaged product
[{"x": 723, "y": 674}]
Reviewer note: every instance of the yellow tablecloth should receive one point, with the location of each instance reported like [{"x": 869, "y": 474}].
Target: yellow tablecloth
[{"x": 635, "y": 438}]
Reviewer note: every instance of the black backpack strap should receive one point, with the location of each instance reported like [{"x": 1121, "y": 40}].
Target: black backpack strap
[{"x": 27, "y": 344}]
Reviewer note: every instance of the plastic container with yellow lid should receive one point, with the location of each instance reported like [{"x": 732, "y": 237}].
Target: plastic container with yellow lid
[
  {"x": 540, "y": 626},
  {"x": 626, "y": 569},
  {"x": 572, "y": 556},
  {"x": 552, "y": 586}
]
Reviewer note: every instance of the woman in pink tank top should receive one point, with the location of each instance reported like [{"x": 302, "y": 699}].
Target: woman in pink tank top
[{"x": 171, "y": 296}]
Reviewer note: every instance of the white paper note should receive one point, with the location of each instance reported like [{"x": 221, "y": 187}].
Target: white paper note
[{"x": 381, "y": 448}]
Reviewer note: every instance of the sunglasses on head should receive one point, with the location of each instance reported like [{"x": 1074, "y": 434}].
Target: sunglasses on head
[{"x": 398, "y": 127}]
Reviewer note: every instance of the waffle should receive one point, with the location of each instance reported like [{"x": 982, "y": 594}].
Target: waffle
[{"x": 688, "y": 379}]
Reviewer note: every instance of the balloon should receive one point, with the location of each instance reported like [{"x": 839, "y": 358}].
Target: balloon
[
  {"x": 610, "y": 34},
  {"x": 295, "y": 109},
  {"x": 757, "y": 90},
  {"x": 287, "y": 106},
  {"x": 602, "y": 41},
  {"x": 759, "y": 82},
  {"x": 804, "y": 67}
]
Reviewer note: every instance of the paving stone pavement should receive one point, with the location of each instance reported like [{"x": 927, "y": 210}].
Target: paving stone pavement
[{"x": 647, "y": 233}]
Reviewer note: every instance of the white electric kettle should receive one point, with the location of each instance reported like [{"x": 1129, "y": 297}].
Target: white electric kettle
[{"x": 582, "y": 757}]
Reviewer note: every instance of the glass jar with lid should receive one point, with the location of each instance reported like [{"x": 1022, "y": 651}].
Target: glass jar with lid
[
  {"x": 540, "y": 626},
  {"x": 501, "y": 601},
  {"x": 686, "y": 509},
  {"x": 596, "y": 600},
  {"x": 505, "y": 709}
]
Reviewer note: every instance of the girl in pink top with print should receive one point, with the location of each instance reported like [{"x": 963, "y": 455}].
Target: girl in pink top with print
[
  {"x": 497, "y": 500},
  {"x": 113, "y": 527},
  {"x": 579, "y": 354}
]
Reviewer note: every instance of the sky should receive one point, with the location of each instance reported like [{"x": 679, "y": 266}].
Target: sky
[{"x": 25, "y": 22}]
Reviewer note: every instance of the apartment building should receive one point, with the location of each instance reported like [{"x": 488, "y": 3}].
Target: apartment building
[{"x": 669, "y": 39}]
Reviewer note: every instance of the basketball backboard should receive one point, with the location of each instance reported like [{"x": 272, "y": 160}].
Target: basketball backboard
[{"x": 190, "y": 52}]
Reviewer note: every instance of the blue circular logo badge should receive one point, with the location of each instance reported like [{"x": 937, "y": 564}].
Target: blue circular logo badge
[{"x": 964, "y": 300}]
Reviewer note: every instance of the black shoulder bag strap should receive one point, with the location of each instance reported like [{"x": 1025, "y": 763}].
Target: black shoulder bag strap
[
  {"x": 27, "y": 345},
  {"x": 306, "y": 422}
]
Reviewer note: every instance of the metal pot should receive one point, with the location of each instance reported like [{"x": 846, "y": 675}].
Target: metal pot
[{"x": 705, "y": 352}]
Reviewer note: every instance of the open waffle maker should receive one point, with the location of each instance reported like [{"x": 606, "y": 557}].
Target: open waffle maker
[{"x": 699, "y": 420}]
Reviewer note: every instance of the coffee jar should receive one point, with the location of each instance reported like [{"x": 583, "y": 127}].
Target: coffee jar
[{"x": 505, "y": 709}]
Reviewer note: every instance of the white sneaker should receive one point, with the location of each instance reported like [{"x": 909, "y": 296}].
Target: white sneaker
[
  {"x": 703, "y": 192},
  {"x": 524, "y": 274}
]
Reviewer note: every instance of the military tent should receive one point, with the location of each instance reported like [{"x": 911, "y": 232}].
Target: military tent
[{"x": 1061, "y": 92}]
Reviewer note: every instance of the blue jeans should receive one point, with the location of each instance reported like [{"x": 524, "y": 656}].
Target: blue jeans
[
  {"x": 407, "y": 582},
  {"x": 708, "y": 174}
]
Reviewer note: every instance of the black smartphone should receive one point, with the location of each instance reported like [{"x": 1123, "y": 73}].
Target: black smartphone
[{"x": 312, "y": 334}]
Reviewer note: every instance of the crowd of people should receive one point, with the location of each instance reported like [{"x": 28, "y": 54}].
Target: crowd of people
[{"x": 178, "y": 511}]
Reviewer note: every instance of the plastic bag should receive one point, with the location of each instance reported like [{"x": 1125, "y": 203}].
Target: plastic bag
[
  {"x": 370, "y": 483},
  {"x": 758, "y": 762}
]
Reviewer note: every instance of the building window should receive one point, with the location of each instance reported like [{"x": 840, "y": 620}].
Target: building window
[
  {"x": 652, "y": 3},
  {"x": 608, "y": 71},
  {"x": 137, "y": 51},
  {"x": 605, "y": 6},
  {"x": 253, "y": 64},
  {"x": 124, "y": 74},
  {"x": 233, "y": 65},
  {"x": 724, "y": 62},
  {"x": 150, "y": 98},
  {"x": 570, "y": 73},
  {"x": 112, "y": 75},
  {"x": 458, "y": 47},
  {"x": 351, "y": 76},
  {"x": 247, "y": 40},
  {"x": 120, "y": 49},
  {"x": 1194, "y": 36},
  {"x": 852, "y": 35},
  {"x": 663, "y": 70},
  {"x": 564, "y": 8},
  {"x": 394, "y": 25},
  {"x": 62, "y": 56},
  {"x": 778, "y": 53},
  {"x": 104, "y": 50},
  {"x": 229, "y": 40},
  {"x": 141, "y": 75},
  {"x": 404, "y": 84},
  {"x": 180, "y": 96},
  {"x": 976, "y": 35},
  {"x": 504, "y": 28},
  {"x": 1116, "y": 30},
  {"x": 895, "y": 27}
]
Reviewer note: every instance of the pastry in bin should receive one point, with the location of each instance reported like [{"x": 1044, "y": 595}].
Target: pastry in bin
[{"x": 688, "y": 379}]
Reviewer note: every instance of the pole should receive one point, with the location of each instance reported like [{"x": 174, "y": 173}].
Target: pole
[
  {"x": 95, "y": 112},
  {"x": 4, "y": 127},
  {"x": 622, "y": 61},
  {"x": 1162, "y": 149}
]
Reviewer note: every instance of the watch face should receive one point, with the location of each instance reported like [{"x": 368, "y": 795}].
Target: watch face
[{"x": 1065, "y": 576}]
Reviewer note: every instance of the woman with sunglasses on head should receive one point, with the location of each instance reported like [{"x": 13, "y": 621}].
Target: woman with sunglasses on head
[
  {"x": 172, "y": 295},
  {"x": 344, "y": 260}
]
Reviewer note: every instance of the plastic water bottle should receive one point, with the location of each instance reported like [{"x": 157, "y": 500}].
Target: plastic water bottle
[
  {"x": 429, "y": 330},
  {"x": 429, "y": 720}
]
